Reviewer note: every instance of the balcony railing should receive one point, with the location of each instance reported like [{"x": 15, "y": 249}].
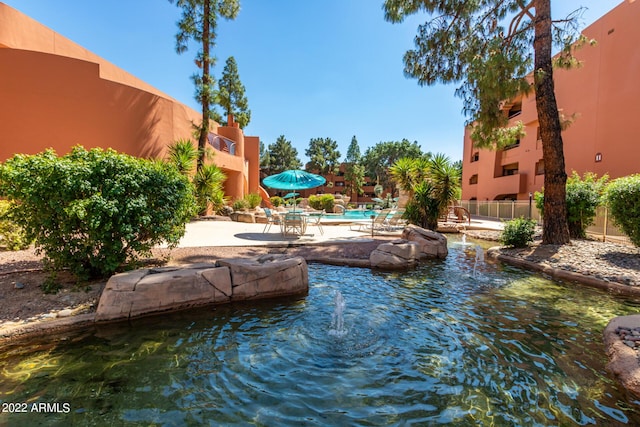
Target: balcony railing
[{"x": 221, "y": 143}]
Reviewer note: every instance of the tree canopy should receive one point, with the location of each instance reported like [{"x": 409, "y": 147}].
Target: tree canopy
[
  {"x": 323, "y": 155},
  {"x": 497, "y": 50},
  {"x": 231, "y": 95},
  {"x": 282, "y": 156},
  {"x": 378, "y": 159},
  {"x": 198, "y": 23}
]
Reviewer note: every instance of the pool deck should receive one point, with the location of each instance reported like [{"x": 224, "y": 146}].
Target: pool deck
[{"x": 229, "y": 233}]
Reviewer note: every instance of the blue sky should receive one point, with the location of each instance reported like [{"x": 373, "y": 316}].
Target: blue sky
[{"x": 311, "y": 68}]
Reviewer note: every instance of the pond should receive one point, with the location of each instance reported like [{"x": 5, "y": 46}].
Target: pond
[{"x": 439, "y": 345}]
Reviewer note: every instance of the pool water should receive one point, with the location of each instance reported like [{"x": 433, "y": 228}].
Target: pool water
[
  {"x": 352, "y": 215},
  {"x": 437, "y": 345}
]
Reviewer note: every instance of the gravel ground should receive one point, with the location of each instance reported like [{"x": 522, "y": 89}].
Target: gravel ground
[{"x": 21, "y": 274}]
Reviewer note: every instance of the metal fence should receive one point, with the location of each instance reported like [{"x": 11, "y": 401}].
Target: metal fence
[{"x": 602, "y": 228}]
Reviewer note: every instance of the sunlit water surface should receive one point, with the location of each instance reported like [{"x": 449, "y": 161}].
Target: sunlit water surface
[{"x": 438, "y": 345}]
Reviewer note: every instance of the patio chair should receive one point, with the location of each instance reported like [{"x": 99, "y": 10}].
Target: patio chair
[
  {"x": 314, "y": 219},
  {"x": 271, "y": 219}
]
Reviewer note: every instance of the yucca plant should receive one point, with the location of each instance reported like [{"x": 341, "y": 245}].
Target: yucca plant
[
  {"x": 183, "y": 155},
  {"x": 208, "y": 188}
]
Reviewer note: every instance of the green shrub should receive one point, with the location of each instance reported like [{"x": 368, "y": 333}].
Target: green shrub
[
  {"x": 92, "y": 211},
  {"x": 322, "y": 201},
  {"x": 277, "y": 201},
  {"x": 240, "y": 205},
  {"x": 584, "y": 195},
  {"x": 12, "y": 236},
  {"x": 253, "y": 200},
  {"x": 623, "y": 199},
  {"x": 518, "y": 232}
]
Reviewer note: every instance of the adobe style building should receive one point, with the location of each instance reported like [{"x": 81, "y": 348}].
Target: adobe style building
[
  {"x": 603, "y": 93},
  {"x": 56, "y": 94}
]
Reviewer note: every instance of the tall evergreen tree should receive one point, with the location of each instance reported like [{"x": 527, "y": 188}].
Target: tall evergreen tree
[
  {"x": 231, "y": 95},
  {"x": 491, "y": 46},
  {"x": 283, "y": 156},
  {"x": 198, "y": 23},
  {"x": 353, "y": 152}
]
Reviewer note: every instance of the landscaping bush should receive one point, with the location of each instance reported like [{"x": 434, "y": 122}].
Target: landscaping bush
[
  {"x": 12, "y": 236},
  {"x": 323, "y": 201},
  {"x": 277, "y": 201},
  {"x": 253, "y": 200},
  {"x": 584, "y": 195},
  {"x": 623, "y": 199},
  {"x": 240, "y": 205},
  {"x": 92, "y": 211},
  {"x": 518, "y": 232}
]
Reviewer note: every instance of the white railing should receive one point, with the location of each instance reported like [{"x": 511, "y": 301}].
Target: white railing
[{"x": 602, "y": 228}]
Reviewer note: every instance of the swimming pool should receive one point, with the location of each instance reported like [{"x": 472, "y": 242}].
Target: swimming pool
[
  {"x": 436, "y": 345},
  {"x": 352, "y": 215}
]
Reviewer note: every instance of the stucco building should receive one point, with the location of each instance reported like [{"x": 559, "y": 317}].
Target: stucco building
[
  {"x": 57, "y": 94},
  {"x": 603, "y": 94}
]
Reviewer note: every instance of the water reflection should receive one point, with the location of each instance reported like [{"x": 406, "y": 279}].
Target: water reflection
[{"x": 432, "y": 346}]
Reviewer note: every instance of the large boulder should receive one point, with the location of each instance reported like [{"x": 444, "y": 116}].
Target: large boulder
[
  {"x": 148, "y": 291},
  {"x": 395, "y": 255},
  {"x": 269, "y": 275},
  {"x": 432, "y": 244}
]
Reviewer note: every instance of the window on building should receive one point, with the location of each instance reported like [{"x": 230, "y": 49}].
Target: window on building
[
  {"x": 515, "y": 110},
  {"x": 510, "y": 169},
  {"x": 475, "y": 157},
  {"x": 473, "y": 180},
  {"x": 540, "y": 167}
]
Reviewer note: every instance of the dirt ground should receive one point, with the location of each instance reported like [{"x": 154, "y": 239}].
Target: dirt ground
[{"x": 22, "y": 276}]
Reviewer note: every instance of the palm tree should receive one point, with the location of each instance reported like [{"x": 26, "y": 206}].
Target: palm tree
[{"x": 432, "y": 183}]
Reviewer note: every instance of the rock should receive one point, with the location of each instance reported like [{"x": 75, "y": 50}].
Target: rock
[
  {"x": 65, "y": 313},
  {"x": 248, "y": 217},
  {"x": 270, "y": 275},
  {"x": 432, "y": 244},
  {"x": 18, "y": 285},
  {"x": 149, "y": 291},
  {"x": 395, "y": 255},
  {"x": 623, "y": 357}
]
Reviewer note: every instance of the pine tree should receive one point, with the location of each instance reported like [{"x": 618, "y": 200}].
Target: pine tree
[
  {"x": 491, "y": 47},
  {"x": 198, "y": 23},
  {"x": 231, "y": 95}
]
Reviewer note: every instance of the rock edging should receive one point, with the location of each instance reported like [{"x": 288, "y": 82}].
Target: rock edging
[
  {"x": 560, "y": 274},
  {"x": 623, "y": 360}
]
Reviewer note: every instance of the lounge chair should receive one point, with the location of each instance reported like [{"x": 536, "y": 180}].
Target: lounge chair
[
  {"x": 396, "y": 220},
  {"x": 379, "y": 222},
  {"x": 272, "y": 218}
]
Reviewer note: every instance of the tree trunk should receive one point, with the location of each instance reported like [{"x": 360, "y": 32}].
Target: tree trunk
[
  {"x": 555, "y": 229},
  {"x": 206, "y": 83}
]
